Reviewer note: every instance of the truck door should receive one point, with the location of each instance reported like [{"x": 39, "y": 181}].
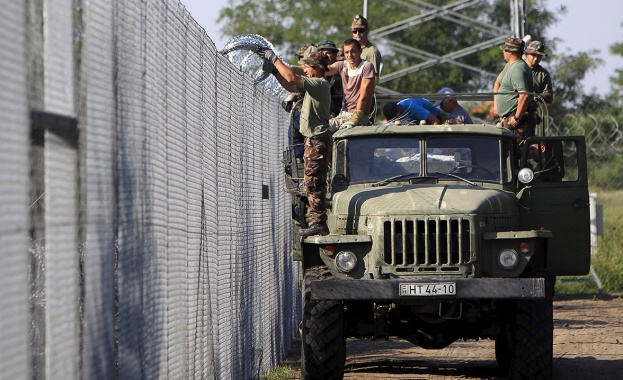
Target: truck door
[{"x": 557, "y": 200}]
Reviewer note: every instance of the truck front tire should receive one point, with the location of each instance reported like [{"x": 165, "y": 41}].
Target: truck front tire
[
  {"x": 323, "y": 354},
  {"x": 524, "y": 349}
]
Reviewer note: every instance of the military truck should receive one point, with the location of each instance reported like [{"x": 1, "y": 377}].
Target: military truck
[{"x": 440, "y": 233}]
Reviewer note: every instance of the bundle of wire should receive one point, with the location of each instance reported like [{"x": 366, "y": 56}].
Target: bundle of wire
[{"x": 240, "y": 51}]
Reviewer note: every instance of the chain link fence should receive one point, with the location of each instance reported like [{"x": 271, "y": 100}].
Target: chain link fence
[{"x": 143, "y": 229}]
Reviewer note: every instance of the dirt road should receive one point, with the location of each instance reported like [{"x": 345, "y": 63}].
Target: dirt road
[{"x": 588, "y": 344}]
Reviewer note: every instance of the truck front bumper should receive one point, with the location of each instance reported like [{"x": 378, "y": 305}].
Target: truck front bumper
[{"x": 466, "y": 288}]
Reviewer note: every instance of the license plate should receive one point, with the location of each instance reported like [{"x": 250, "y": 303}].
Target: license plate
[{"x": 423, "y": 289}]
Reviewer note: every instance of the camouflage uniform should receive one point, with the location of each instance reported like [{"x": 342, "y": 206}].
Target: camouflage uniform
[
  {"x": 315, "y": 112},
  {"x": 317, "y": 157}
]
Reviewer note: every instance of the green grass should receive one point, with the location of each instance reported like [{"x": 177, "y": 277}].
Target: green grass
[
  {"x": 281, "y": 373},
  {"x": 608, "y": 258}
]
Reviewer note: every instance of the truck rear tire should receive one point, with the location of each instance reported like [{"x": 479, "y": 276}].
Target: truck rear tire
[
  {"x": 531, "y": 340},
  {"x": 323, "y": 354}
]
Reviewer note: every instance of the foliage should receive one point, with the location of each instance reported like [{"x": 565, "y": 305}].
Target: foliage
[
  {"x": 567, "y": 72},
  {"x": 617, "y": 80},
  {"x": 608, "y": 261}
]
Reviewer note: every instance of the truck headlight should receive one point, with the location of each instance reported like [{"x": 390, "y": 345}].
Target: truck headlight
[
  {"x": 346, "y": 261},
  {"x": 525, "y": 175},
  {"x": 508, "y": 259}
]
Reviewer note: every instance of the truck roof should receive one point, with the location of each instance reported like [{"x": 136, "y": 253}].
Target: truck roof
[{"x": 451, "y": 129}]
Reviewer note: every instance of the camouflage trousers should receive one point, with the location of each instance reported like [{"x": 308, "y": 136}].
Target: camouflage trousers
[{"x": 317, "y": 157}]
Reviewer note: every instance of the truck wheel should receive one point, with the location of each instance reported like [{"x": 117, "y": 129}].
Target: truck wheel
[
  {"x": 531, "y": 338},
  {"x": 324, "y": 348}
]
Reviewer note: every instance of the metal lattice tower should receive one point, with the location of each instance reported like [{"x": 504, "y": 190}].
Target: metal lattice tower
[{"x": 449, "y": 12}]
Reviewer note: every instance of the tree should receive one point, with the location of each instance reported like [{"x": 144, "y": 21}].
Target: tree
[
  {"x": 567, "y": 72},
  {"x": 617, "y": 80}
]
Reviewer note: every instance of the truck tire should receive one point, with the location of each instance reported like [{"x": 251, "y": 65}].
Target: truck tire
[
  {"x": 323, "y": 353},
  {"x": 531, "y": 336}
]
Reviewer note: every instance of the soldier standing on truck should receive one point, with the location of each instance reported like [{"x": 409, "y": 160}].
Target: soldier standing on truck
[
  {"x": 542, "y": 81},
  {"x": 369, "y": 52},
  {"x": 514, "y": 105},
  {"x": 314, "y": 125}
]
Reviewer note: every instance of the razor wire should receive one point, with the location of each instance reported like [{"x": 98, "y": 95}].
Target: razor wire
[
  {"x": 603, "y": 134},
  {"x": 240, "y": 51}
]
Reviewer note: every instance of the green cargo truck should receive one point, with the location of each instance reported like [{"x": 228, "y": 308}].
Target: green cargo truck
[{"x": 440, "y": 233}]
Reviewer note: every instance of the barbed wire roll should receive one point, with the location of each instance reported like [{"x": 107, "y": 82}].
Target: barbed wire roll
[{"x": 240, "y": 51}]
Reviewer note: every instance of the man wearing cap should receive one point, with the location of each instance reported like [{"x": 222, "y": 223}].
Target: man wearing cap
[
  {"x": 369, "y": 52},
  {"x": 412, "y": 111},
  {"x": 305, "y": 50},
  {"x": 541, "y": 79},
  {"x": 513, "y": 104},
  {"x": 449, "y": 105},
  {"x": 329, "y": 50},
  {"x": 314, "y": 126},
  {"x": 358, "y": 84}
]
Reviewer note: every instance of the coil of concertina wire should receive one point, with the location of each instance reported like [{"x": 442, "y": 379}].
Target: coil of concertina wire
[{"x": 240, "y": 51}]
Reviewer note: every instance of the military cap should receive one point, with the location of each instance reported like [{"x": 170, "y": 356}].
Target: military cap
[
  {"x": 359, "y": 22},
  {"x": 302, "y": 49},
  {"x": 514, "y": 45},
  {"x": 536, "y": 47},
  {"x": 317, "y": 60},
  {"x": 326, "y": 45}
]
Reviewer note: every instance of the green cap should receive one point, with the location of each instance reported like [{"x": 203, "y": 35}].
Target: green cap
[{"x": 326, "y": 45}]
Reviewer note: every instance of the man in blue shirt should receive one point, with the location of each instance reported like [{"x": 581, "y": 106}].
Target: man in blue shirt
[{"x": 412, "y": 111}]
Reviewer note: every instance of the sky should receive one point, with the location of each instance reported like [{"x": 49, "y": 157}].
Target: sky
[{"x": 587, "y": 25}]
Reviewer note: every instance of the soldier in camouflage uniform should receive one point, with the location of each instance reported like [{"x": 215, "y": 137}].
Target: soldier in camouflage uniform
[
  {"x": 540, "y": 77},
  {"x": 314, "y": 125}
]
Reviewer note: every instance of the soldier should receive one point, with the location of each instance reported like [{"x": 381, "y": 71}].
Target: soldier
[
  {"x": 514, "y": 106},
  {"x": 328, "y": 48},
  {"x": 314, "y": 126},
  {"x": 369, "y": 52},
  {"x": 542, "y": 81}
]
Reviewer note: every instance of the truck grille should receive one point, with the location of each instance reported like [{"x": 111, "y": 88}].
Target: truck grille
[{"x": 430, "y": 244}]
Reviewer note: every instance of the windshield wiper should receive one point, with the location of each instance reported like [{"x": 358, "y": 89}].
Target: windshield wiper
[
  {"x": 457, "y": 177},
  {"x": 391, "y": 179}
]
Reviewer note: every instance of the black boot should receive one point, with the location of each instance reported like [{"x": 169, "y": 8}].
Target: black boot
[{"x": 316, "y": 228}]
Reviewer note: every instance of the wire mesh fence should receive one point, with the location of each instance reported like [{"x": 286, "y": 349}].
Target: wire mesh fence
[{"x": 144, "y": 231}]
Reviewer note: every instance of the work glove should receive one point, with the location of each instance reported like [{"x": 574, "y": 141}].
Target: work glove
[
  {"x": 267, "y": 54},
  {"x": 268, "y": 67},
  {"x": 356, "y": 117}
]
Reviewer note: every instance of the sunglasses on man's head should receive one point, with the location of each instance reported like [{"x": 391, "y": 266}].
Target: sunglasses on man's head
[{"x": 359, "y": 30}]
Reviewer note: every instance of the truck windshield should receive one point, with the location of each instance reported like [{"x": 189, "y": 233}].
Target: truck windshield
[
  {"x": 374, "y": 159},
  {"x": 471, "y": 158}
]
